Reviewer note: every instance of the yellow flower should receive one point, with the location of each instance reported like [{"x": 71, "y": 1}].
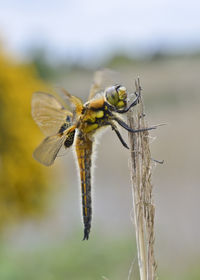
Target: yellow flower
[{"x": 22, "y": 180}]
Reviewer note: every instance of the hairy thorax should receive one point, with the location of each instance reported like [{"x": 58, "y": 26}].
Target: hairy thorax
[{"x": 93, "y": 116}]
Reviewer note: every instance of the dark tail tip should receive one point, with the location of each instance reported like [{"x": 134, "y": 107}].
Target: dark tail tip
[{"x": 86, "y": 234}]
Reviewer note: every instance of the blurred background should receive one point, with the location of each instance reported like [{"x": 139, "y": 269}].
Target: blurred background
[{"x": 49, "y": 44}]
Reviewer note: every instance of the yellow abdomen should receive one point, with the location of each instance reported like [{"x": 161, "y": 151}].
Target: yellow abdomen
[{"x": 83, "y": 147}]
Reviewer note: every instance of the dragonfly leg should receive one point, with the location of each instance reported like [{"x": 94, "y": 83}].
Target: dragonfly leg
[
  {"x": 119, "y": 135},
  {"x": 124, "y": 125}
]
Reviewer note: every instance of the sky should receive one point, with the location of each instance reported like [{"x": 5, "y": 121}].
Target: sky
[{"x": 92, "y": 29}]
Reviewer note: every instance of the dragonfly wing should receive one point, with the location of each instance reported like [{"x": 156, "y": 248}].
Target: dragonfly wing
[
  {"x": 102, "y": 79},
  {"x": 74, "y": 101},
  {"x": 48, "y": 113},
  {"x": 47, "y": 151}
]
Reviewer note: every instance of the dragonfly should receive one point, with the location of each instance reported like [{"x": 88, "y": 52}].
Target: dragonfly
[{"x": 78, "y": 126}]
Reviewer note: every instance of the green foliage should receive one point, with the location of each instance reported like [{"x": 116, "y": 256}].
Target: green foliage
[
  {"x": 71, "y": 259},
  {"x": 22, "y": 180},
  {"x": 74, "y": 259},
  {"x": 39, "y": 59},
  {"x": 120, "y": 60}
]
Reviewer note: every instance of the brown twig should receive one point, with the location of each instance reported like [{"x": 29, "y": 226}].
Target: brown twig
[{"x": 144, "y": 210}]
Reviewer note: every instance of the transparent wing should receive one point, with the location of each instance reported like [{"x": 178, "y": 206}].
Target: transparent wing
[
  {"x": 74, "y": 101},
  {"x": 49, "y": 113},
  {"x": 47, "y": 151},
  {"x": 103, "y": 79}
]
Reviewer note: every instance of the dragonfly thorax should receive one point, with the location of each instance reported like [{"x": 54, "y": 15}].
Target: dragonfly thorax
[{"x": 116, "y": 96}]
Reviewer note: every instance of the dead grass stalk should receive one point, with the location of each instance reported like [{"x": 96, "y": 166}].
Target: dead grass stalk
[{"x": 141, "y": 173}]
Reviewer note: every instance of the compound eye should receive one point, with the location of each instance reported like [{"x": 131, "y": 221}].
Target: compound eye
[
  {"x": 122, "y": 93},
  {"x": 112, "y": 95}
]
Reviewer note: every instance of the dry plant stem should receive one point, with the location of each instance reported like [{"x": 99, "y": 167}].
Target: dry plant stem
[{"x": 144, "y": 211}]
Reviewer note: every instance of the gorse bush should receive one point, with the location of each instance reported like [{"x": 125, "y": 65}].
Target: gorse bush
[{"x": 22, "y": 180}]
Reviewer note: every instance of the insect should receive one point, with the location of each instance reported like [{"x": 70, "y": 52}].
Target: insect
[{"x": 78, "y": 127}]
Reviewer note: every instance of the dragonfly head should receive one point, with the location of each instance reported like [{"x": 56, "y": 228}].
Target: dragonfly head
[{"x": 116, "y": 96}]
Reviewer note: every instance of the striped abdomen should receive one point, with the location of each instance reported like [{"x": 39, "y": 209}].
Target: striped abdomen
[{"x": 84, "y": 153}]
